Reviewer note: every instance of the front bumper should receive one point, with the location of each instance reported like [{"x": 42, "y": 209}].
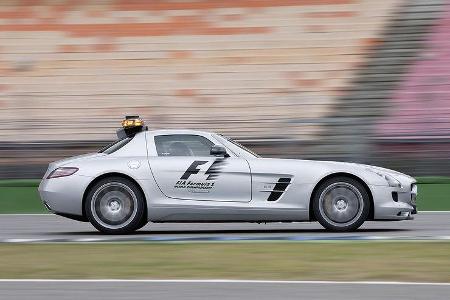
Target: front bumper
[
  {"x": 394, "y": 203},
  {"x": 64, "y": 195}
]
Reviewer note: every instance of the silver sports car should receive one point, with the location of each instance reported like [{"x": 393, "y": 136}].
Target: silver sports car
[{"x": 196, "y": 176}]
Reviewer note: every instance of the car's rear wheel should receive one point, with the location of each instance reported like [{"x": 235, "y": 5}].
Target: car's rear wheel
[
  {"x": 341, "y": 204},
  {"x": 115, "y": 205}
]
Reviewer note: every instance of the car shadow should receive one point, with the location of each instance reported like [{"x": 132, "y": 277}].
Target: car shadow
[
  {"x": 252, "y": 231},
  {"x": 236, "y": 231}
]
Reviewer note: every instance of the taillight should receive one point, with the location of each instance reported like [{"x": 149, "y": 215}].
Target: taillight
[{"x": 62, "y": 172}]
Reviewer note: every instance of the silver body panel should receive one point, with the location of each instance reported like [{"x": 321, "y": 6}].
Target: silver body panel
[{"x": 241, "y": 188}]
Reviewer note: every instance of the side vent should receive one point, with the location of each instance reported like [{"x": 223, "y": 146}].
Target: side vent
[{"x": 279, "y": 189}]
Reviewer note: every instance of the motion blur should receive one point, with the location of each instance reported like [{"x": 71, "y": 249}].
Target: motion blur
[
  {"x": 363, "y": 81},
  {"x": 344, "y": 80}
]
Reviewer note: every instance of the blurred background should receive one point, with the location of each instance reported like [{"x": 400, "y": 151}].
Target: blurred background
[
  {"x": 363, "y": 81},
  {"x": 352, "y": 80}
]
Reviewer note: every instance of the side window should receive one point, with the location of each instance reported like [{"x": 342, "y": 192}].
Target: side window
[{"x": 182, "y": 145}]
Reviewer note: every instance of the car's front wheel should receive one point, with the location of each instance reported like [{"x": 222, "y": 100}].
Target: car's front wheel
[
  {"x": 115, "y": 205},
  {"x": 341, "y": 204}
]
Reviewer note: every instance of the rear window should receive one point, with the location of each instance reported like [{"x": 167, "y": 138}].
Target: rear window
[{"x": 113, "y": 147}]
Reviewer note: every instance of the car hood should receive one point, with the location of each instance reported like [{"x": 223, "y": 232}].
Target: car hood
[{"x": 364, "y": 167}]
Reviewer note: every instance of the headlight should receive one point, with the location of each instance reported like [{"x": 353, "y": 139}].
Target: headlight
[
  {"x": 62, "y": 172},
  {"x": 390, "y": 179}
]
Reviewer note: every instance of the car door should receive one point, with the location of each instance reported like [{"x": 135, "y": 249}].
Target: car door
[{"x": 183, "y": 168}]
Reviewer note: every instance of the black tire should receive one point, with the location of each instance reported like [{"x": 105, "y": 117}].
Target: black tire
[
  {"x": 115, "y": 205},
  {"x": 341, "y": 204}
]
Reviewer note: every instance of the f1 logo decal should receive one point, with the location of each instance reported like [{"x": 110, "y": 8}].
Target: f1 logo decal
[
  {"x": 193, "y": 169},
  {"x": 213, "y": 171}
]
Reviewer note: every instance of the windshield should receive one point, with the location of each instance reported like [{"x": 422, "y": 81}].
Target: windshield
[{"x": 241, "y": 147}]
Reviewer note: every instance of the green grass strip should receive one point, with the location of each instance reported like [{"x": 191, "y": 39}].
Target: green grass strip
[
  {"x": 433, "y": 180},
  {"x": 15, "y": 200},
  {"x": 19, "y": 182}
]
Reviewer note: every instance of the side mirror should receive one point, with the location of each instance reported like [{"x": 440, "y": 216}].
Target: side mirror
[{"x": 219, "y": 150}]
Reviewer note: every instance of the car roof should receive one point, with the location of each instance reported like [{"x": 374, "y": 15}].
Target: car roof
[{"x": 179, "y": 131}]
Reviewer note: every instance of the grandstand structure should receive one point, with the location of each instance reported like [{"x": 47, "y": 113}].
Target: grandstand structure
[{"x": 321, "y": 79}]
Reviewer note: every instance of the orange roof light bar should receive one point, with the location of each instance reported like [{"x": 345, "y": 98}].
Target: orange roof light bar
[{"x": 132, "y": 122}]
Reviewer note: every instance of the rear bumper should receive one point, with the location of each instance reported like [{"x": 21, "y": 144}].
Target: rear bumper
[{"x": 64, "y": 195}]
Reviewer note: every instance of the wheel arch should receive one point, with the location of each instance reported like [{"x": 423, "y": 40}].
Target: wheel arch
[
  {"x": 112, "y": 174},
  {"x": 341, "y": 174}
]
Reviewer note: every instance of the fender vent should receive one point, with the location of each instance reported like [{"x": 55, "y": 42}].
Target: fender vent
[{"x": 279, "y": 189}]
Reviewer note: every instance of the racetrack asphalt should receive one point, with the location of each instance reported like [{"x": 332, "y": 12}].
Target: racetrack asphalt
[
  {"x": 40, "y": 290},
  {"x": 51, "y": 228}
]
